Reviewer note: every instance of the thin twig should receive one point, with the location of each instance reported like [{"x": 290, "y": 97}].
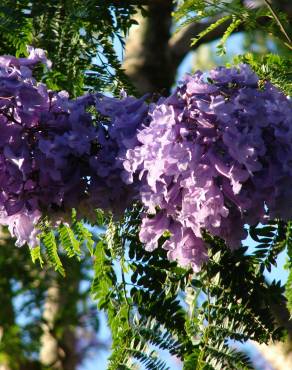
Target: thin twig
[{"x": 278, "y": 21}]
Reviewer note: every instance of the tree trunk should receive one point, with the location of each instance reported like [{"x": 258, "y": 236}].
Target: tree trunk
[
  {"x": 7, "y": 315},
  {"x": 147, "y": 61},
  {"x": 58, "y": 342}
]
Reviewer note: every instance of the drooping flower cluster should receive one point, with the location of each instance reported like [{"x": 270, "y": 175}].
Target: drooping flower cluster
[
  {"x": 117, "y": 132},
  {"x": 216, "y": 155},
  {"x": 54, "y": 153}
]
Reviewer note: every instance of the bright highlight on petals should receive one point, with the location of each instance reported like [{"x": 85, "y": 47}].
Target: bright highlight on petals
[
  {"x": 57, "y": 153},
  {"x": 217, "y": 155}
]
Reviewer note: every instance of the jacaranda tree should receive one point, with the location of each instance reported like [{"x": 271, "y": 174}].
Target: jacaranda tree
[{"x": 109, "y": 174}]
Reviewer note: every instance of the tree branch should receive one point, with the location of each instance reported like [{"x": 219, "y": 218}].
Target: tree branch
[{"x": 179, "y": 43}]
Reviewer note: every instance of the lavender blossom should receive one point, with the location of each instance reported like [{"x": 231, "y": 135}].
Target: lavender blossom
[
  {"x": 54, "y": 153},
  {"x": 215, "y": 156}
]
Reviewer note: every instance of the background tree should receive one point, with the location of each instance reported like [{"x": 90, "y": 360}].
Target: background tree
[{"x": 79, "y": 38}]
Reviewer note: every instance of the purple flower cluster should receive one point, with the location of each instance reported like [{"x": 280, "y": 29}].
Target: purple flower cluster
[
  {"x": 56, "y": 153},
  {"x": 216, "y": 155},
  {"x": 117, "y": 130}
]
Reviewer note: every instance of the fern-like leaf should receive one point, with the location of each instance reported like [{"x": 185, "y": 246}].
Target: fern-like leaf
[
  {"x": 209, "y": 29},
  {"x": 230, "y": 29},
  {"x": 49, "y": 241},
  {"x": 36, "y": 255},
  {"x": 83, "y": 235},
  {"x": 68, "y": 241}
]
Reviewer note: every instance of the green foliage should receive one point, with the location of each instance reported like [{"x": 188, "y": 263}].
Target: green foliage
[
  {"x": 49, "y": 241},
  {"x": 78, "y": 35},
  {"x": 230, "y": 29},
  {"x": 83, "y": 236},
  {"x": 136, "y": 310},
  {"x": 110, "y": 296},
  {"x": 142, "y": 293},
  {"x": 151, "y": 304},
  {"x": 271, "y": 67},
  {"x": 35, "y": 254},
  {"x": 273, "y": 239},
  {"x": 70, "y": 241},
  {"x": 215, "y": 13},
  {"x": 209, "y": 29},
  {"x": 235, "y": 305}
]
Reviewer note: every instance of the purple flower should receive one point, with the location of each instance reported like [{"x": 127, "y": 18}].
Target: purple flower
[
  {"x": 23, "y": 226},
  {"x": 215, "y": 156},
  {"x": 54, "y": 154}
]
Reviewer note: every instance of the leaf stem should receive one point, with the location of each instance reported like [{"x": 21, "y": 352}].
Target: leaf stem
[{"x": 278, "y": 21}]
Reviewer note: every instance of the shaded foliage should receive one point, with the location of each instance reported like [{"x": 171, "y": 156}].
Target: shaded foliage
[
  {"x": 79, "y": 37},
  {"x": 153, "y": 304}
]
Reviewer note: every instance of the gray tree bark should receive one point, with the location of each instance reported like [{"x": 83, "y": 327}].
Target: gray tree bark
[
  {"x": 59, "y": 340},
  {"x": 147, "y": 56}
]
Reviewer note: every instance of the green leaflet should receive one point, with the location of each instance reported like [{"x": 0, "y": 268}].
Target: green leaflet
[
  {"x": 271, "y": 239},
  {"x": 222, "y": 355},
  {"x": 84, "y": 236},
  {"x": 35, "y": 254},
  {"x": 48, "y": 239},
  {"x": 68, "y": 241},
  {"x": 230, "y": 29},
  {"x": 212, "y": 27}
]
